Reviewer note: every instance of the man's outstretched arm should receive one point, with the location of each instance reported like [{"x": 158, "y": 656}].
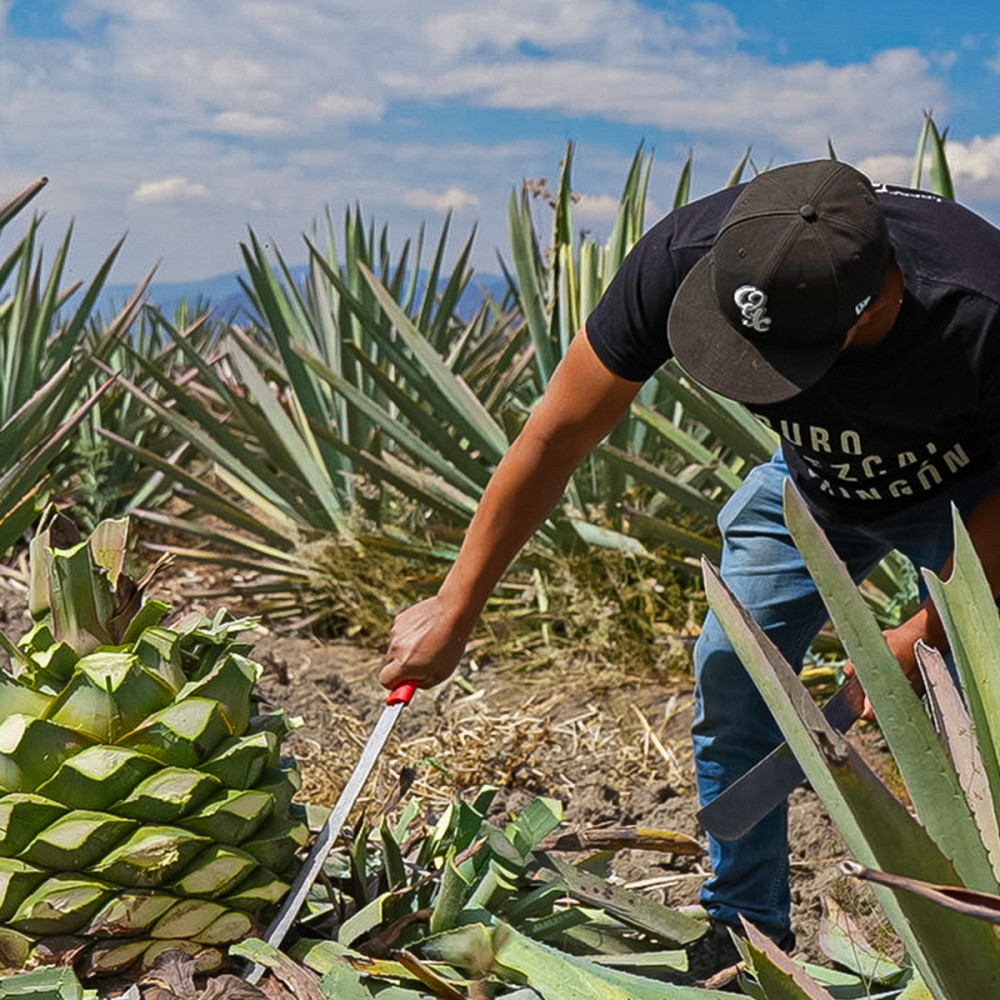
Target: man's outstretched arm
[{"x": 581, "y": 405}]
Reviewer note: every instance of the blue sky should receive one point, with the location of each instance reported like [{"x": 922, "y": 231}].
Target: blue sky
[{"x": 182, "y": 122}]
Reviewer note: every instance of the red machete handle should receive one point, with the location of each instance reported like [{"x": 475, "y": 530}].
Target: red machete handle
[{"x": 402, "y": 694}]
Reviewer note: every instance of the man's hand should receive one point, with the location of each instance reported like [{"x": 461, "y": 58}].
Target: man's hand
[
  {"x": 425, "y": 644},
  {"x": 902, "y": 643}
]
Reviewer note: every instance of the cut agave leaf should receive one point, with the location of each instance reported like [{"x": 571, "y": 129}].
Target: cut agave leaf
[
  {"x": 31, "y": 751},
  {"x": 15, "y": 949},
  {"x": 43, "y": 984},
  {"x": 230, "y": 683},
  {"x": 109, "y": 694},
  {"x": 38, "y": 638},
  {"x": 16, "y": 699},
  {"x": 23, "y": 816},
  {"x": 167, "y": 795},
  {"x": 281, "y": 783},
  {"x": 277, "y": 723},
  {"x": 259, "y": 889},
  {"x": 17, "y": 881},
  {"x": 187, "y": 919},
  {"x": 233, "y": 817},
  {"x": 63, "y": 904},
  {"x": 157, "y": 948},
  {"x": 129, "y": 914},
  {"x": 152, "y": 856},
  {"x": 216, "y": 871},
  {"x": 149, "y": 615},
  {"x": 52, "y": 666},
  {"x": 230, "y": 927},
  {"x": 276, "y": 842},
  {"x": 77, "y": 840},
  {"x": 240, "y": 761},
  {"x": 81, "y": 599},
  {"x": 106, "y": 958},
  {"x": 98, "y": 776},
  {"x": 159, "y": 650},
  {"x": 182, "y": 735}
]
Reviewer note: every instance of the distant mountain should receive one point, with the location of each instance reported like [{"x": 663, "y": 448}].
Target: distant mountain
[{"x": 229, "y": 301}]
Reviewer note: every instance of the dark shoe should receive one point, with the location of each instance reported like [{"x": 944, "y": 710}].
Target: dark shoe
[{"x": 714, "y": 960}]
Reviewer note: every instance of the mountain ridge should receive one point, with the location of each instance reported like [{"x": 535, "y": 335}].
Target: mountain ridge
[{"x": 228, "y": 300}]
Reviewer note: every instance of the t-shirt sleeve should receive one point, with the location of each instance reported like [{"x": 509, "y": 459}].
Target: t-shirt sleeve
[{"x": 628, "y": 327}]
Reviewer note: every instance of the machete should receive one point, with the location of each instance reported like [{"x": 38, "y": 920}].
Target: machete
[
  {"x": 738, "y": 809},
  {"x": 398, "y": 699}
]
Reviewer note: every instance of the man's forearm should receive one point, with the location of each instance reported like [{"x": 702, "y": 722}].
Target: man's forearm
[
  {"x": 582, "y": 403},
  {"x": 522, "y": 492}
]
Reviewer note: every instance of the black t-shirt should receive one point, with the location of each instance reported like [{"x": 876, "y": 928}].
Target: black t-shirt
[{"x": 889, "y": 424}]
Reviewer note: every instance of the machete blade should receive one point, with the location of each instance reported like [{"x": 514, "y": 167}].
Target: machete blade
[{"x": 737, "y": 810}]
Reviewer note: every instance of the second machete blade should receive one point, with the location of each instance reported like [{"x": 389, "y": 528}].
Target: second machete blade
[{"x": 737, "y": 810}]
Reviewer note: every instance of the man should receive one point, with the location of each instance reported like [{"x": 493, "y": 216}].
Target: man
[{"x": 863, "y": 326}]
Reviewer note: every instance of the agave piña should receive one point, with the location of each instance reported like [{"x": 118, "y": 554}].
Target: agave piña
[{"x": 143, "y": 804}]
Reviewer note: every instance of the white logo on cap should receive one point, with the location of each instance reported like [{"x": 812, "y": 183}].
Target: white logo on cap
[{"x": 752, "y": 301}]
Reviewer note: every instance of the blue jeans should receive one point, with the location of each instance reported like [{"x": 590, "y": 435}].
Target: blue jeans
[{"x": 733, "y": 728}]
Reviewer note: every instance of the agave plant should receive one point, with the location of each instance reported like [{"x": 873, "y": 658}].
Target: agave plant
[
  {"x": 441, "y": 906},
  {"x": 49, "y": 390},
  {"x": 144, "y": 805},
  {"x": 949, "y": 764},
  {"x": 101, "y": 480},
  {"x": 465, "y": 905},
  {"x": 361, "y": 407}
]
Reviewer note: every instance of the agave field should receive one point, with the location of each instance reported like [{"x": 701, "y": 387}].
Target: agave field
[{"x": 529, "y": 832}]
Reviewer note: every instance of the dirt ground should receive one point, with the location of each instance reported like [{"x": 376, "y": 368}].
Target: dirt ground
[
  {"x": 615, "y": 752},
  {"x": 612, "y": 749}
]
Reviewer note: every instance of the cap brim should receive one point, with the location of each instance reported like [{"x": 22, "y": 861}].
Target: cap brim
[{"x": 722, "y": 359}]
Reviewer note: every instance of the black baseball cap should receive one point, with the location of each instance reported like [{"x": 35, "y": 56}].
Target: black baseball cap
[{"x": 800, "y": 255}]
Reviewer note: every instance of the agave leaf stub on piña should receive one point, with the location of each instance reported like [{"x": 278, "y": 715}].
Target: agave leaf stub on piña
[{"x": 144, "y": 802}]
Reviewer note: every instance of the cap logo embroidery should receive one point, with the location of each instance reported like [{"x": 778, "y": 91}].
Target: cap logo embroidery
[
  {"x": 751, "y": 301},
  {"x": 860, "y": 307}
]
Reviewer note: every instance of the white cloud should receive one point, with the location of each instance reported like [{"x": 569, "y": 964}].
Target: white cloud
[
  {"x": 279, "y": 109},
  {"x": 248, "y": 123},
  {"x": 974, "y": 167},
  {"x": 977, "y": 161},
  {"x": 797, "y": 105},
  {"x": 596, "y": 208},
  {"x": 169, "y": 189},
  {"x": 347, "y": 108},
  {"x": 887, "y": 168},
  {"x": 453, "y": 199}
]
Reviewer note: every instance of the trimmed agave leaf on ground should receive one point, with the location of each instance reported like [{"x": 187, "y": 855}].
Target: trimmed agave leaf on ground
[{"x": 143, "y": 804}]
